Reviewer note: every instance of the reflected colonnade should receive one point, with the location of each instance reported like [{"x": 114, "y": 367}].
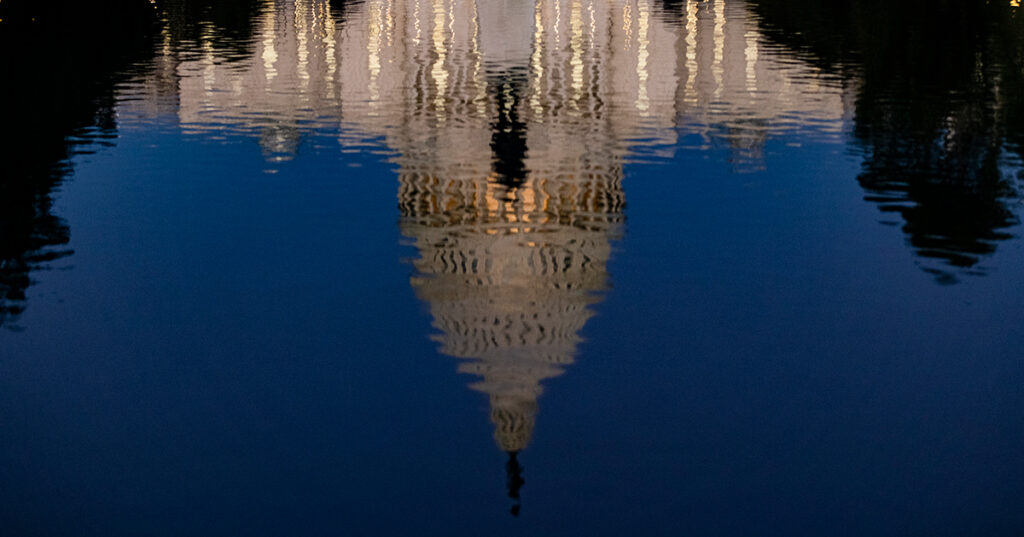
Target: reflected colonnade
[
  {"x": 665, "y": 68},
  {"x": 677, "y": 74}
]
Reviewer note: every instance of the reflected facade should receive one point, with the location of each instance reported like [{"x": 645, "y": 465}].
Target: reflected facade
[
  {"x": 666, "y": 76},
  {"x": 656, "y": 72},
  {"x": 510, "y": 123}
]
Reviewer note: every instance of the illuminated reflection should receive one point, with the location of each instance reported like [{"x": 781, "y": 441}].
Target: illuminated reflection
[
  {"x": 511, "y": 191},
  {"x": 511, "y": 122},
  {"x": 652, "y": 73}
]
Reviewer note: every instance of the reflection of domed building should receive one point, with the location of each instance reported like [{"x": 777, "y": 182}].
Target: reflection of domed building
[
  {"x": 509, "y": 280},
  {"x": 511, "y": 189},
  {"x": 509, "y": 273},
  {"x": 511, "y": 122}
]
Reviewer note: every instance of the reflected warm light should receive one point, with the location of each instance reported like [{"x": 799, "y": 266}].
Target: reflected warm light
[
  {"x": 269, "y": 54},
  {"x": 577, "y": 54},
  {"x": 329, "y": 40},
  {"x": 719, "y": 40},
  {"x": 643, "y": 20},
  {"x": 690, "y": 95},
  {"x": 511, "y": 123}
]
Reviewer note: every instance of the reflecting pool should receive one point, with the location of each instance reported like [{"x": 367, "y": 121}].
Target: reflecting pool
[{"x": 542, "y": 267}]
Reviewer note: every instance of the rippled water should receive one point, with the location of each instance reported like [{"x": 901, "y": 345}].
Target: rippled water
[{"x": 549, "y": 267}]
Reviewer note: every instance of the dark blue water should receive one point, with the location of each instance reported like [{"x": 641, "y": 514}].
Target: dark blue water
[{"x": 564, "y": 267}]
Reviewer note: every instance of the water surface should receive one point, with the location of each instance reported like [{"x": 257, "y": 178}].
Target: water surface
[{"x": 557, "y": 267}]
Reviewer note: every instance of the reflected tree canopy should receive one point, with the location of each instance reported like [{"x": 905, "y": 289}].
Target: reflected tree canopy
[
  {"x": 935, "y": 112},
  {"x": 51, "y": 95},
  {"x": 60, "y": 100}
]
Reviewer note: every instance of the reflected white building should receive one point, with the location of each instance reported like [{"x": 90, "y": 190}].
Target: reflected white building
[
  {"x": 649, "y": 73},
  {"x": 511, "y": 122}
]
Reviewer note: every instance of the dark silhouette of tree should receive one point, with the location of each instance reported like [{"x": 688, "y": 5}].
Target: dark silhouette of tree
[
  {"x": 939, "y": 100},
  {"x": 60, "y": 62}
]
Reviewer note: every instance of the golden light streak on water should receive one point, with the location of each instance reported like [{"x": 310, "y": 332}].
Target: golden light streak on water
[
  {"x": 750, "y": 53},
  {"x": 576, "y": 45},
  {"x": 209, "y": 59},
  {"x": 480, "y": 98},
  {"x": 690, "y": 91},
  {"x": 439, "y": 73},
  {"x": 373, "y": 51},
  {"x": 642, "y": 101},
  {"x": 557, "y": 26},
  {"x": 417, "y": 35},
  {"x": 330, "y": 48},
  {"x": 302, "y": 33},
  {"x": 537, "y": 60},
  {"x": 269, "y": 55},
  {"x": 719, "y": 63}
]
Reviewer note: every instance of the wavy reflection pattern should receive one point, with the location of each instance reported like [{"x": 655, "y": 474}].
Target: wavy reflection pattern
[
  {"x": 510, "y": 124},
  {"x": 696, "y": 68},
  {"x": 510, "y": 157}
]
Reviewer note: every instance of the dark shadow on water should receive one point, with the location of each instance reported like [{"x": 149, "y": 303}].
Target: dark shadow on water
[
  {"x": 61, "y": 61},
  {"x": 226, "y": 26},
  {"x": 939, "y": 102},
  {"x": 508, "y": 138},
  {"x": 515, "y": 480}
]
